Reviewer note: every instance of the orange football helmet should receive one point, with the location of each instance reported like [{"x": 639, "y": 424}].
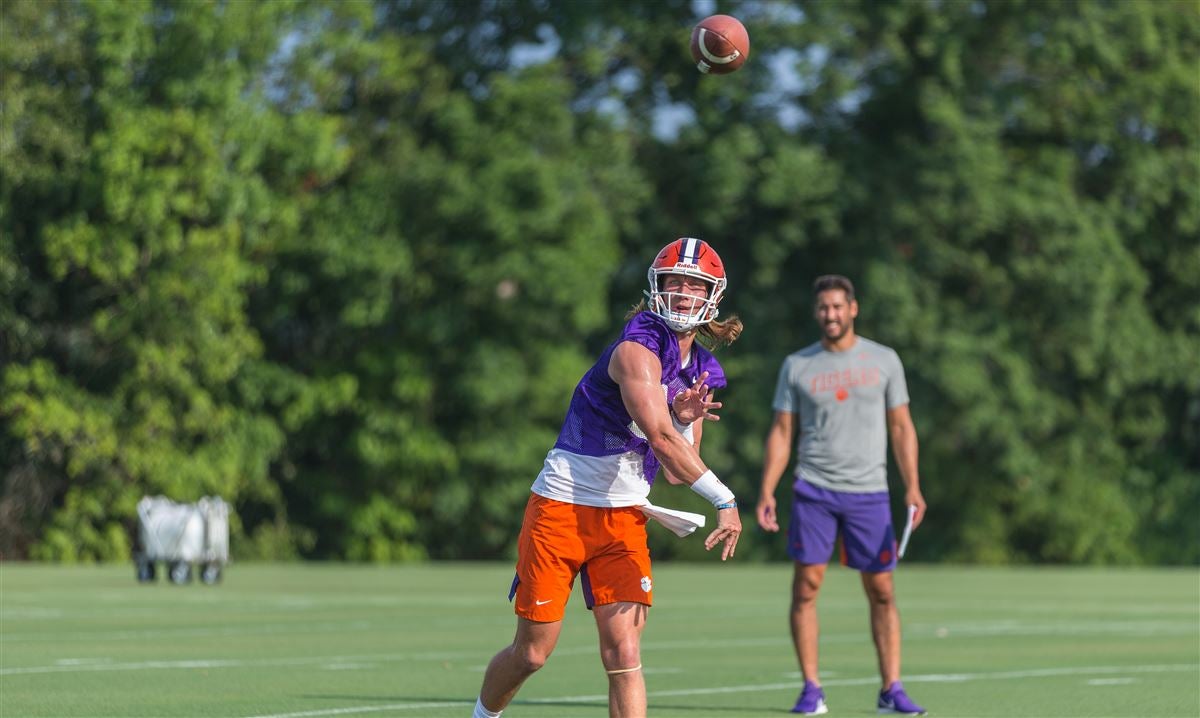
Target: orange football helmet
[{"x": 693, "y": 258}]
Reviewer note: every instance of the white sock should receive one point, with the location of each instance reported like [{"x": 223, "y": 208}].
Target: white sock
[{"x": 481, "y": 712}]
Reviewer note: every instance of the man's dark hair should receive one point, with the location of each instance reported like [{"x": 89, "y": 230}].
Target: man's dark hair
[{"x": 833, "y": 281}]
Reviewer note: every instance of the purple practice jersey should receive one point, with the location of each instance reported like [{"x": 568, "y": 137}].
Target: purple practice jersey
[{"x": 601, "y": 457}]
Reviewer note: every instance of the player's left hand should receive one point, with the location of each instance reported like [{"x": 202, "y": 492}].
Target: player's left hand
[
  {"x": 695, "y": 403},
  {"x": 729, "y": 528}
]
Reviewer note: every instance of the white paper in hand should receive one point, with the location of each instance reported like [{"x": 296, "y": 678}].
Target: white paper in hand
[
  {"x": 912, "y": 511},
  {"x": 682, "y": 523}
]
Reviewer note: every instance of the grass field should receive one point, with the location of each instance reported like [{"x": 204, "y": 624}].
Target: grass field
[{"x": 338, "y": 640}]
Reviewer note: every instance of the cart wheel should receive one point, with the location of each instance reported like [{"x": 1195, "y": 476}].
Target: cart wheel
[
  {"x": 211, "y": 573},
  {"x": 180, "y": 572},
  {"x": 145, "y": 570}
]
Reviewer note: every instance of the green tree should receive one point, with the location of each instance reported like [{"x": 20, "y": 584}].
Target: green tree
[
  {"x": 1023, "y": 193},
  {"x": 141, "y": 172},
  {"x": 451, "y": 274}
]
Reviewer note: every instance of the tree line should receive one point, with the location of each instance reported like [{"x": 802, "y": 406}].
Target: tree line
[{"x": 342, "y": 263}]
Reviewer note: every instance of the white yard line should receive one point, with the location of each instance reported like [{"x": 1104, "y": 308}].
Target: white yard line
[
  {"x": 69, "y": 664},
  {"x": 790, "y": 685},
  {"x": 917, "y": 631}
]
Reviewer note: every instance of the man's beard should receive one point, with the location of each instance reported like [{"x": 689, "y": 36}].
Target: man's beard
[{"x": 841, "y": 332}]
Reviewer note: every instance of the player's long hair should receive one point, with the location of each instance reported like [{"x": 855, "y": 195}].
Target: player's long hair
[{"x": 712, "y": 335}]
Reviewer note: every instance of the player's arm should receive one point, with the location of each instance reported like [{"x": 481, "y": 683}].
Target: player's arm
[
  {"x": 697, "y": 434},
  {"x": 903, "y": 436},
  {"x": 637, "y": 371},
  {"x": 777, "y": 450},
  {"x": 691, "y": 408}
]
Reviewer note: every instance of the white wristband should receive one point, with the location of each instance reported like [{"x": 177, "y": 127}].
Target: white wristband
[
  {"x": 711, "y": 488},
  {"x": 679, "y": 425}
]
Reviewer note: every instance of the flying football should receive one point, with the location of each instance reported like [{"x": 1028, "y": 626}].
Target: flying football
[{"x": 720, "y": 44}]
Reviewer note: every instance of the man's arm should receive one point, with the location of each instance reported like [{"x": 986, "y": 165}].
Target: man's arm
[
  {"x": 697, "y": 434},
  {"x": 904, "y": 447},
  {"x": 637, "y": 371},
  {"x": 776, "y": 451},
  {"x": 697, "y": 402}
]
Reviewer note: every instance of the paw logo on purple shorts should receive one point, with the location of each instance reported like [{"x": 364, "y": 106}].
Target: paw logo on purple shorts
[{"x": 885, "y": 556}]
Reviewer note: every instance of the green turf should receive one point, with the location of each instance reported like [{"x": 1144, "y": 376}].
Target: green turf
[{"x": 338, "y": 640}]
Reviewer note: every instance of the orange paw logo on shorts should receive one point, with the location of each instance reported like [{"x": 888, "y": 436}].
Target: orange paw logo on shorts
[{"x": 646, "y": 584}]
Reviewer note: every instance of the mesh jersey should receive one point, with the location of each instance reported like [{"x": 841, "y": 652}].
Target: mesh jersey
[{"x": 601, "y": 457}]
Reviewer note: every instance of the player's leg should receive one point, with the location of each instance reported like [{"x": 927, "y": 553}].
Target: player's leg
[
  {"x": 620, "y": 626},
  {"x": 811, "y": 535},
  {"x": 618, "y": 587},
  {"x": 549, "y": 554},
  {"x": 510, "y": 667}
]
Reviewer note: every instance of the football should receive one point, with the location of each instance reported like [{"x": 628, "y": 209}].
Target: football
[{"x": 720, "y": 44}]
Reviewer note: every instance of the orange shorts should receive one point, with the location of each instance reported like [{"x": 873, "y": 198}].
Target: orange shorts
[{"x": 606, "y": 546}]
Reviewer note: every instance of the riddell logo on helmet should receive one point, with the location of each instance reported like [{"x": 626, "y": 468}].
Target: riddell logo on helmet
[{"x": 686, "y": 265}]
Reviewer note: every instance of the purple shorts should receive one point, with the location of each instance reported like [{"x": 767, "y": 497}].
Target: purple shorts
[{"x": 864, "y": 522}]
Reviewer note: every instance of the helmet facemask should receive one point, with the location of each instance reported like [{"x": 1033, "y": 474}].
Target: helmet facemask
[{"x": 693, "y": 310}]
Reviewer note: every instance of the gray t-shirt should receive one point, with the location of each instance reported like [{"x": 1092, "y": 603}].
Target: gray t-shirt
[{"x": 840, "y": 399}]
